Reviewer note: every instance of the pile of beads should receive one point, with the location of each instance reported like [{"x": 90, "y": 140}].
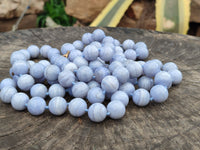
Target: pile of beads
[{"x": 96, "y": 68}]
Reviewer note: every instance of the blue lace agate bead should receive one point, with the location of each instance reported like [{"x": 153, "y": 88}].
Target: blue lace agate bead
[
  {"x": 84, "y": 74},
  {"x": 30, "y": 63},
  {"x": 20, "y": 67},
  {"x": 100, "y": 73},
  {"x": 44, "y": 50},
  {"x": 96, "y": 44},
  {"x": 25, "y": 82},
  {"x": 93, "y": 84},
  {"x": 15, "y": 56},
  {"x": 158, "y": 62},
  {"x": 38, "y": 90},
  {"x": 80, "y": 61},
  {"x": 142, "y": 53},
  {"x": 51, "y": 72},
  {"x": 95, "y": 95},
  {"x": 57, "y": 106},
  {"x": 26, "y": 53},
  {"x": 61, "y": 61},
  {"x": 145, "y": 83},
  {"x": 98, "y": 35},
  {"x": 78, "y": 45},
  {"x": 66, "y": 78},
  {"x": 163, "y": 78},
  {"x": 116, "y": 42},
  {"x": 107, "y": 39},
  {"x": 45, "y": 63},
  {"x": 118, "y": 49},
  {"x": 134, "y": 68},
  {"x": 151, "y": 68},
  {"x": 159, "y": 93},
  {"x": 114, "y": 65},
  {"x": 140, "y": 44},
  {"x": 7, "y": 82},
  {"x": 97, "y": 112},
  {"x": 36, "y": 106},
  {"x": 110, "y": 84},
  {"x": 52, "y": 52},
  {"x": 80, "y": 90},
  {"x": 169, "y": 66},
  {"x": 74, "y": 53},
  {"x": 127, "y": 87},
  {"x": 176, "y": 76},
  {"x": 130, "y": 54},
  {"x": 116, "y": 109},
  {"x": 70, "y": 66},
  {"x": 19, "y": 101},
  {"x": 141, "y": 97},
  {"x": 95, "y": 64},
  {"x": 120, "y": 96},
  {"x": 122, "y": 74},
  {"x": 87, "y": 38},
  {"x": 56, "y": 90},
  {"x": 106, "y": 53},
  {"x": 34, "y": 51},
  {"x": 37, "y": 70},
  {"x": 90, "y": 52},
  {"x": 67, "y": 47},
  {"x": 7, "y": 93},
  {"x": 77, "y": 107},
  {"x": 128, "y": 44}
]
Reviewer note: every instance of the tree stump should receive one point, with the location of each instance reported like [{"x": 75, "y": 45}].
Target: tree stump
[{"x": 174, "y": 124}]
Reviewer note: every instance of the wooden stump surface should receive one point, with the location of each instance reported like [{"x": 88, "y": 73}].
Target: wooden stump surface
[{"x": 174, "y": 124}]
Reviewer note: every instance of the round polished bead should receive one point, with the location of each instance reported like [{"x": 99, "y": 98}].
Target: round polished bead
[
  {"x": 84, "y": 74},
  {"x": 95, "y": 64},
  {"x": 57, "y": 106},
  {"x": 26, "y": 53},
  {"x": 52, "y": 52},
  {"x": 97, "y": 112},
  {"x": 110, "y": 84},
  {"x": 116, "y": 109},
  {"x": 111, "y": 45},
  {"x": 45, "y": 63},
  {"x": 87, "y": 38},
  {"x": 128, "y": 44},
  {"x": 15, "y": 56},
  {"x": 135, "y": 69},
  {"x": 100, "y": 73},
  {"x": 93, "y": 84},
  {"x": 80, "y": 61},
  {"x": 54, "y": 58},
  {"x": 74, "y": 53},
  {"x": 77, "y": 107},
  {"x": 80, "y": 90},
  {"x": 7, "y": 93},
  {"x": 25, "y": 82},
  {"x": 78, "y": 44},
  {"x": 38, "y": 90},
  {"x": 51, "y": 72},
  {"x": 151, "y": 68},
  {"x": 114, "y": 65},
  {"x": 141, "y": 62},
  {"x": 163, "y": 78},
  {"x": 67, "y": 47},
  {"x": 176, "y": 76},
  {"x": 107, "y": 39},
  {"x": 130, "y": 54},
  {"x": 122, "y": 74},
  {"x": 44, "y": 50},
  {"x": 158, "y": 62},
  {"x": 20, "y": 67},
  {"x": 169, "y": 66},
  {"x": 70, "y": 66},
  {"x": 145, "y": 83},
  {"x": 116, "y": 42},
  {"x": 7, "y": 82},
  {"x": 142, "y": 53},
  {"x": 96, "y": 44},
  {"x": 34, "y": 51},
  {"x": 56, "y": 90},
  {"x": 90, "y": 52},
  {"x": 119, "y": 57},
  {"x": 127, "y": 87},
  {"x": 106, "y": 53},
  {"x": 120, "y": 96},
  {"x": 98, "y": 35},
  {"x": 95, "y": 95},
  {"x": 118, "y": 49},
  {"x": 36, "y": 106},
  {"x": 140, "y": 44},
  {"x": 159, "y": 93},
  {"x": 66, "y": 78},
  {"x": 61, "y": 61},
  {"x": 37, "y": 70},
  {"x": 141, "y": 97},
  {"x": 19, "y": 101}
]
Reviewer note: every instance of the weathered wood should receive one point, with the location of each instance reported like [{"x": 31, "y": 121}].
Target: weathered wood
[{"x": 174, "y": 124}]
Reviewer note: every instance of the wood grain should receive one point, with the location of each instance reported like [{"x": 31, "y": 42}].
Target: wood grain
[{"x": 174, "y": 124}]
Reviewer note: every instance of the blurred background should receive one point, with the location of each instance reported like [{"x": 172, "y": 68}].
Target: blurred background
[{"x": 181, "y": 16}]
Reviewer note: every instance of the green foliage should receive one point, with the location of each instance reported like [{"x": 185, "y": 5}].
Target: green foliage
[{"x": 56, "y": 10}]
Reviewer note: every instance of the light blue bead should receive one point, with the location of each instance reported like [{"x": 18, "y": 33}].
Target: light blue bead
[
  {"x": 45, "y": 63},
  {"x": 100, "y": 73},
  {"x": 25, "y": 82},
  {"x": 34, "y": 51},
  {"x": 142, "y": 53},
  {"x": 116, "y": 109},
  {"x": 74, "y": 53},
  {"x": 145, "y": 83},
  {"x": 158, "y": 62},
  {"x": 141, "y": 97},
  {"x": 169, "y": 66},
  {"x": 80, "y": 61},
  {"x": 51, "y": 72},
  {"x": 61, "y": 61},
  {"x": 15, "y": 56},
  {"x": 52, "y": 52},
  {"x": 57, "y": 106},
  {"x": 7, "y": 93},
  {"x": 66, "y": 78},
  {"x": 141, "y": 62},
  {"x": 30, "y": 63},
  {"x": 107, "y": 39},
  {"x": 128, "y": 44},
  {"x": 95, "y": 64},
  {"x": 19, "y": 100},
  {"x": 67, "y": 47},
  {"x": 114, "y": 65},
  {"x": 116, "y": 42},
  {"x": 95, "y": 95},
  {"x": 97, "y": 112},
  {"x": 133, "y": 81},
  {"x": 163, "y": 78},
  {"x": 7, "y": 82},
  {"x": 87, "y": 38},
  {"x": 96, "y": 44},
  {"x": 119, "y": 57},
  {"x": 70, "y": 66},
  {"x": 127, "y": 87},
  {"x": 106, "y": 53},
  {"x": 130, "y": 54},
  {"x": 93, "y": 84},
  {"x": 122, "y": 74},
  {"x": 20, "y": 67},
  {"x": 98, "y": 35},
  {"x": 90, "y": 52},
  {"x": 56, "y": 90},
  {"x": 84, "y": 74},
  {"x": 176, "y": 76},
  {"x": 15, "y": 78},
  {"x": 37, "y": 70},
  {"x": 151, "y": 68},
  {"x": 135, "y": 69},
  {"x": 110, "y": 84},
  {"x": 26, "y": 53},
  {"x": 111, "y": 45},
  {"x": 78, "y": 45},
  {"x": 77, "y": 107},
  {"x": 36, "y": 106},
  {"x": 53, "y": 58},
  {"x": 80, "y": 90},
  {"x": 140, "y": 44},
  {"x": 38, "y": 90},
  {"x": 44, "y": 50},
  {"x": 120, "y": 96},
  {"x": 118, "y": 49},
  {"x": 159, "y": 93}
]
